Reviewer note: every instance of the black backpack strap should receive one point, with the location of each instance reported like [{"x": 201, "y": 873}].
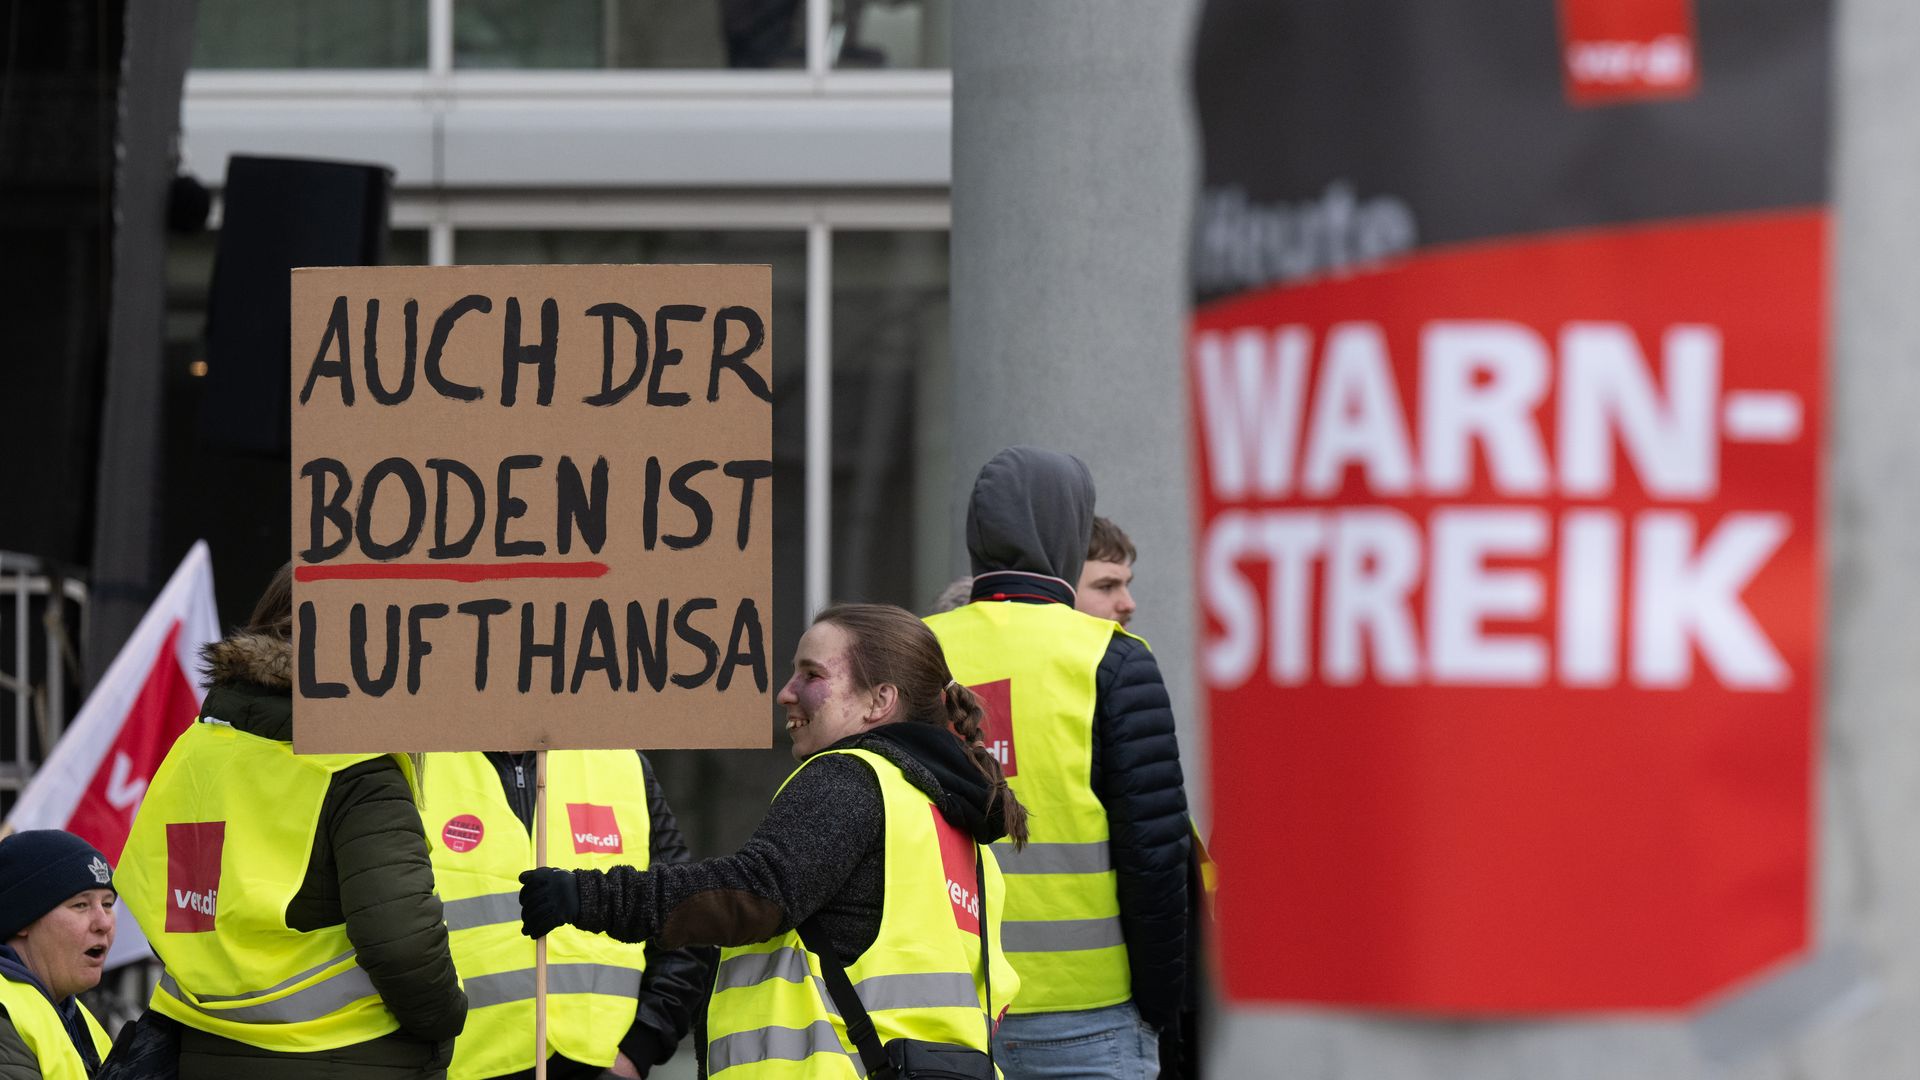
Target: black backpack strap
[{"x": 852, "y": 1012}]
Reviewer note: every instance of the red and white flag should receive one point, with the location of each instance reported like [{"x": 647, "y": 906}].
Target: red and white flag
[{"x": 92, "y": 783}]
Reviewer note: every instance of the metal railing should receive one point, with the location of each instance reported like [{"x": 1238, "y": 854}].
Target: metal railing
[{"x": 45, "y": 609}]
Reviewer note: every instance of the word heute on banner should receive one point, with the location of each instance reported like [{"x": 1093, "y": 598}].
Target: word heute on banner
[
  {"x": 94, "y": 780},
  {"x": 1517, "y": 544}
]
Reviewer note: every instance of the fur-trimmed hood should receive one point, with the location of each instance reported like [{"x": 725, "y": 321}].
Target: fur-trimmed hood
[
  {"x": 252, "y": 684},
  {"x": 244, "y": 657}
]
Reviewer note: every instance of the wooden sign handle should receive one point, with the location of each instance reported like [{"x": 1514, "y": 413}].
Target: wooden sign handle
[{"x": 540, "y": 945}]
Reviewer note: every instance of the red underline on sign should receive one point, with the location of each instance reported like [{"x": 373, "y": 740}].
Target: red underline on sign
[{"x": 468, "y": 572}]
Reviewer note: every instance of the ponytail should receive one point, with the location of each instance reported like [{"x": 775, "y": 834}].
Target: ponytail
[
  {"x": 890, "y": 645},
  {"x": 965, "y": 716}
]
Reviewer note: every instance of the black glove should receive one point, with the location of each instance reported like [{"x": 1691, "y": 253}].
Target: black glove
[{"x": 549, "y": 898}]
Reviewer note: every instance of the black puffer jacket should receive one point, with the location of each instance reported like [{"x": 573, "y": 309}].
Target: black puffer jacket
[
  {"x": 1027, "y": 530},
  {"x": 368, "y": 869}
]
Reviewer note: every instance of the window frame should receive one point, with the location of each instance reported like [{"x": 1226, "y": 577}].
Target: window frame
[{"x": 817, "y": 74}]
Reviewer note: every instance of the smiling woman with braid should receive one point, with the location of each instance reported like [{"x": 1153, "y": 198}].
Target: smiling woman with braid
[{"x": 870, "y": 857}]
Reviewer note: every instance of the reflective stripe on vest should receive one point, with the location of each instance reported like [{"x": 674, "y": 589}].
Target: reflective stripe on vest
[
  {"x": 771, "y": 1014},
  {"x": 307, "y": 1004},
  {"x": 761, "y": 1046},
  {"x": 471, "y": 911},
  {"x": 1061, "y": 935},
  {"x": 788, "y": 964},
  {"x": 40, "y": 1027},
  {"x": 905, "y": 991},
  {"x": 505, "y": 986},
  {"x": 283, "y": 984},
  {"x": 1092, "y": 858},
  {"x": 1063, "y": 911},
  {"x": 208, "y": 871},
  {"x": 597, "y": 818}
]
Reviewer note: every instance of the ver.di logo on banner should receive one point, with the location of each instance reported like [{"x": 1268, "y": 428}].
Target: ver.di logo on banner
[{"x": 1628, "y": 50}]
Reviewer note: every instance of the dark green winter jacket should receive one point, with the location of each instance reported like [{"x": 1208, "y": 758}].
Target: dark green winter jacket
[
  {"x": 16, "y": 1061},
  {"x": 368, "y": 869}
]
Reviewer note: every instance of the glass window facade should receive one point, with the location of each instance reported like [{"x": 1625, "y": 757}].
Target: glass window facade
[
  {"x": 599, "y": 34},
  {"x": 569, "y": 35},
  {"x": 299, "y": 34},
  {"x": 890, "y": 404},
  {"x": 890, "y": 34}
]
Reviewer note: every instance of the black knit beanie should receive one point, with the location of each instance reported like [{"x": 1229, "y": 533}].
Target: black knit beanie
[{"x": 39, "y": 870}]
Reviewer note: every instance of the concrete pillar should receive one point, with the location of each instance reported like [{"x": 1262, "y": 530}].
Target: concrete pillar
[
  {"x": 1072, "y": 187},
  {"x": 1072, "y": 180}
]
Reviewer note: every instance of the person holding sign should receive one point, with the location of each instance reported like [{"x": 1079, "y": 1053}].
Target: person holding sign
[
  {"x": 868, "y": 871},
  {"x": 615, "y": 1006},
  {"x": 291, "y": 897},
  {"x": 56, "y": 925},
  {"x": 1081, "y": 722}
]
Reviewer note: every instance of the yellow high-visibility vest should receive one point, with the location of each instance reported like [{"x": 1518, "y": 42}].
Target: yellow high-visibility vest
[
  {"x": 33, "y": 1016},
  {"x": 1063, "y": 912},
  {"x": 218, "y": 850},
  {"x": 596, "y": 819},
  {"x": 771, "y": 1015}
]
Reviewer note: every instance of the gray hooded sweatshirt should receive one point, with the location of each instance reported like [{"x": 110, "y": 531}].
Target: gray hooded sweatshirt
[{"x": 1031, "y": 512}]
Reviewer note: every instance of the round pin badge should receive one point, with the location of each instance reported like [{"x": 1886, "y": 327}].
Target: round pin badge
[{"x": 462, "y": 833}]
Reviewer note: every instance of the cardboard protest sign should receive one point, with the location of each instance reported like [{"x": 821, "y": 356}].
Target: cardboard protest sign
[{"x": 531, "y": 507}]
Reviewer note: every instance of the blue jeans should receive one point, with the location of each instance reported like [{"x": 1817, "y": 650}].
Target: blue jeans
[{"x": 1094, "y": 1044}]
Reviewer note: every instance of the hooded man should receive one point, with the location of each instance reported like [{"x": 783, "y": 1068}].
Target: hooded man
[
  {"x": 1096, "y": 910},
  {"x": 56, "y": 923}
]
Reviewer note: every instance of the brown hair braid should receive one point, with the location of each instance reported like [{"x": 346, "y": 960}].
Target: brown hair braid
[{"x": 891, "y": 645}]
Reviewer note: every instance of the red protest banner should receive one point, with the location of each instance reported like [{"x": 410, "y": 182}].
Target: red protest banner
[{"x": 1509, "y": 558}]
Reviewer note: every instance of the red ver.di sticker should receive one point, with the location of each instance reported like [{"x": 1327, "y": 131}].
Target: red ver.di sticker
[
  {"x": 997, "y": 699},
  {"x": 595, "y": 830},
  {"x": 956, "y": 856},
  {"x": 193, "y": 874}
]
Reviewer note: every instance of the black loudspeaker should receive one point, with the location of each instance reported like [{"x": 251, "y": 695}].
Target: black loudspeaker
[
  {"x": 60, "y": 81},
  {"x": 279, "y": 213}
]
